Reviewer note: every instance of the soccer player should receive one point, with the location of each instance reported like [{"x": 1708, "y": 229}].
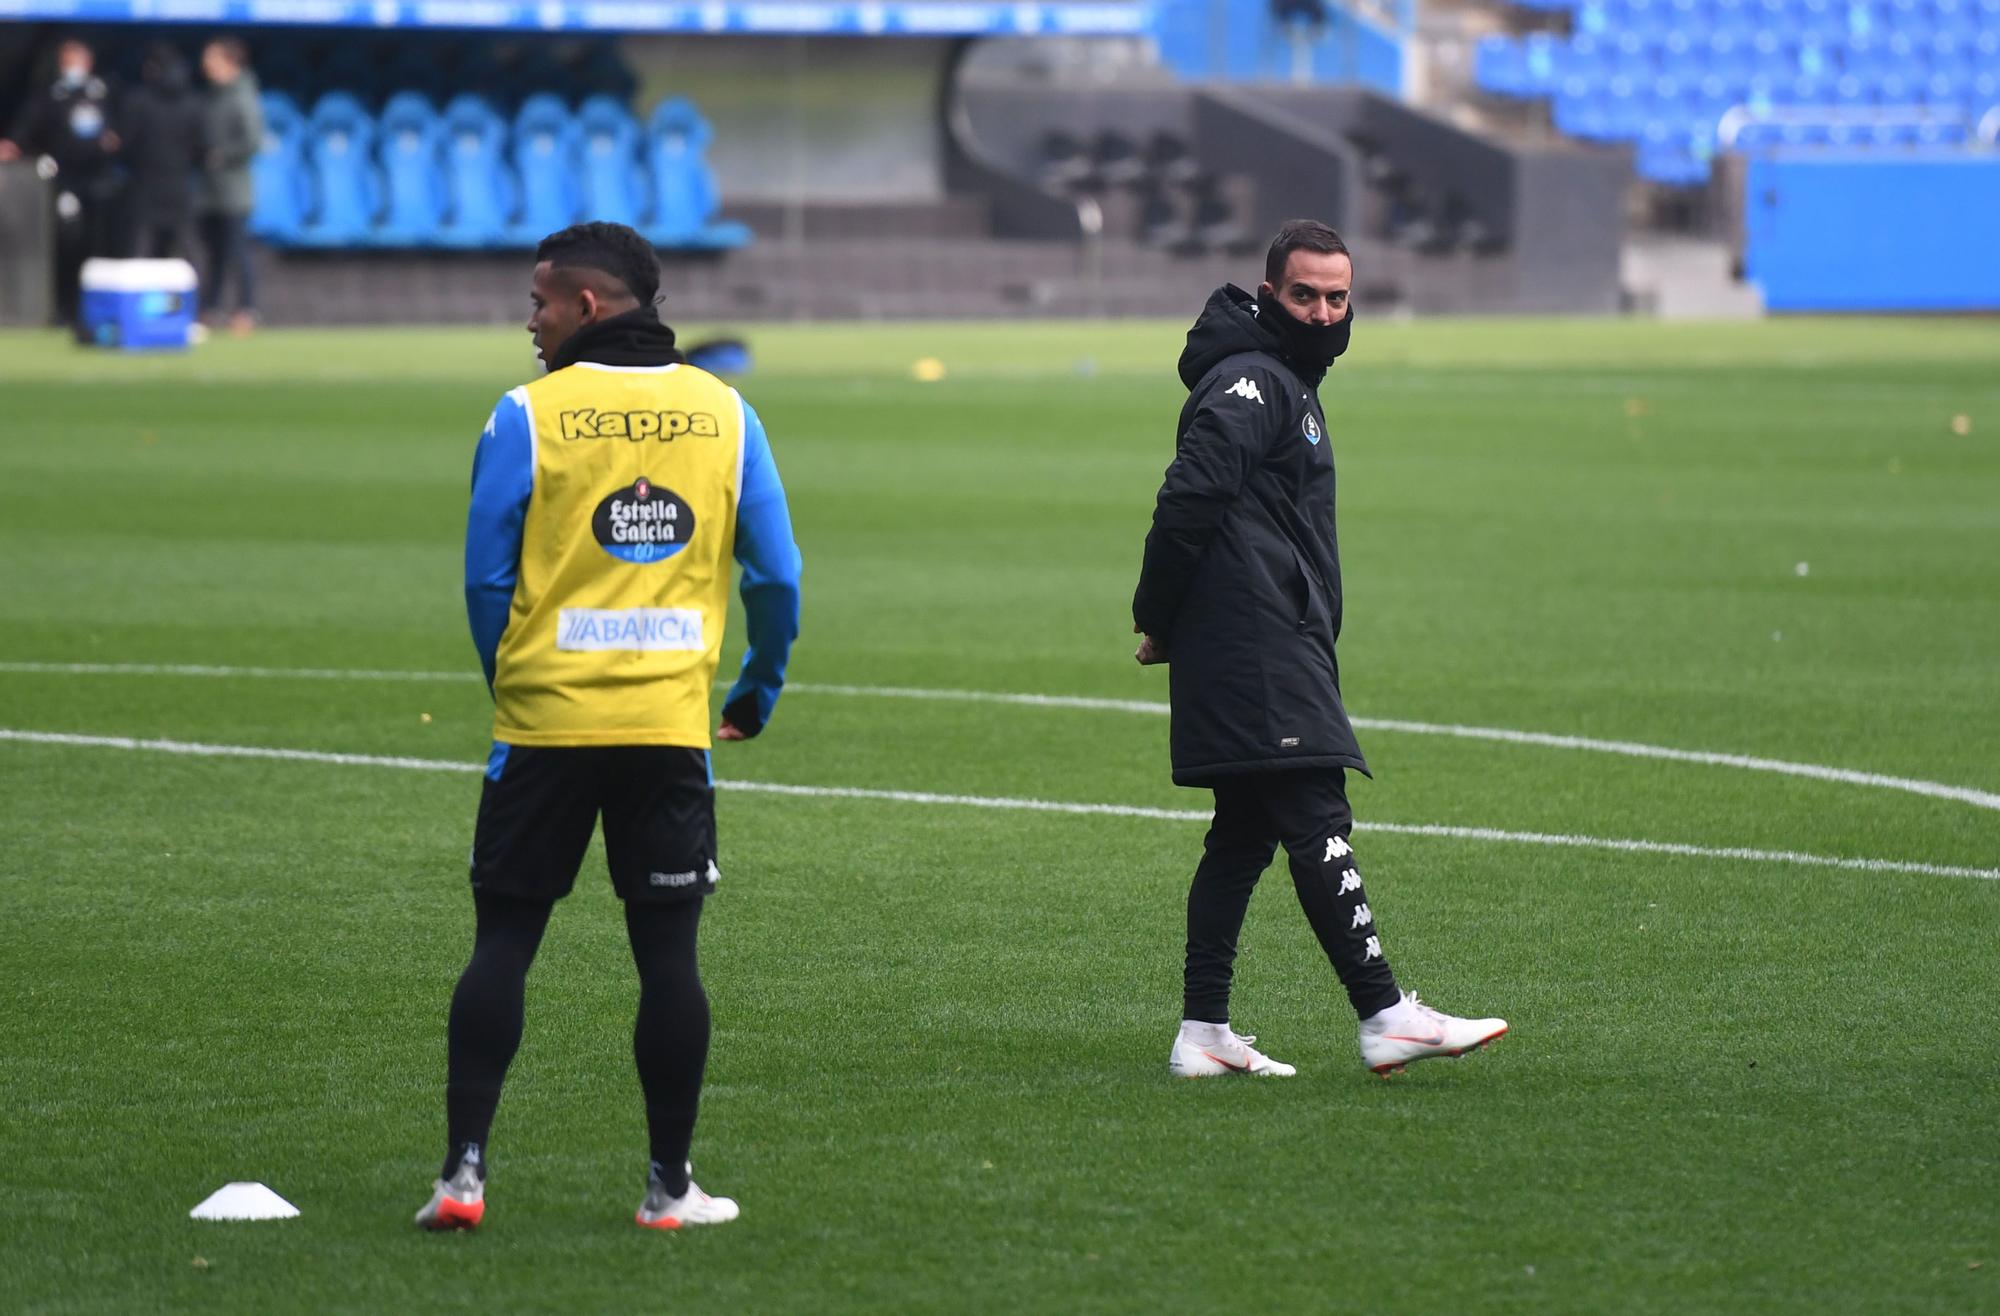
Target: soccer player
[
  {"x": 607, "y": 500},
  {"x": 1240, "y": 594}
]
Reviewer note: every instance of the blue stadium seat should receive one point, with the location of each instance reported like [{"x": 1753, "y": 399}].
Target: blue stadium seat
[
  {"x": 278, "y": 175},
  {"x": 480, "y": 192},
  {"x": 411, "y": 152},
  {"x": 614, "y": 186},
  {"x": 1852, "y": 89},
  {"x": 1821, "y": 22},
  {"x": 684, "y": 193},
  {"x": 1582, "y": 116},
  {"x": 545, "y": 157},
  {"x": 340, "y": 157}
]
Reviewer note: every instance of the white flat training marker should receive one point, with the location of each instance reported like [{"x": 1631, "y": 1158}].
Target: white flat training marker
[{"x": 243, "y": 1201}]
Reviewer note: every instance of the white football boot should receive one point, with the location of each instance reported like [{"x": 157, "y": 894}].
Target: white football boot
[
  {"x": 1208, "y": 1050},
  {"x": 1409, "y": 1030},
  {"x": 693, "y": 1207},
  {"x": 456, "y": 1203}
]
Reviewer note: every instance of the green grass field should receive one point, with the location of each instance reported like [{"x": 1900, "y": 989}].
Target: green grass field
[{"x": 938, "y": 1079}]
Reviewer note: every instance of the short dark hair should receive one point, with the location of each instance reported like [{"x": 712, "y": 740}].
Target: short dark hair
[
  {"x": 614, "y": 249},
  {"x": 1300, "y": 235}
]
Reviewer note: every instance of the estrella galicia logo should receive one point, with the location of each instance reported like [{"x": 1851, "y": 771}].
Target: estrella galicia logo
[
  {"x": 1312, "y": 430},
  {"x": 643, "y": 522}
]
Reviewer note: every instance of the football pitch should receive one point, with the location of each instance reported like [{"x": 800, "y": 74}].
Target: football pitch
[{"x": 1731, "y": 593}]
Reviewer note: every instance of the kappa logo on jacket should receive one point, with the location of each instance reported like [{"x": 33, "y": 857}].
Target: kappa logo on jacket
[{"x": 1247, "y": 388}]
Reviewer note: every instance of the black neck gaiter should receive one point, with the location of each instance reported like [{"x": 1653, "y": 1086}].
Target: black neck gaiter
[
  {"x": 631, "y": 338},
  {"x": 1311, "y": 348}
]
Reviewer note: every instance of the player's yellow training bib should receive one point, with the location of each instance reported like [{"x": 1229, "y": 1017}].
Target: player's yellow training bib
[{"x": 618, "y": 613}]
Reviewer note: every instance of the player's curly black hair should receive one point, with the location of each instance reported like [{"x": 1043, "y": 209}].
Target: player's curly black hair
[{"x": 613, "y": 249}]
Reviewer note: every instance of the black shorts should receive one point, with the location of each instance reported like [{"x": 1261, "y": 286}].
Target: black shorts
[{"x": 540, "y": 804}]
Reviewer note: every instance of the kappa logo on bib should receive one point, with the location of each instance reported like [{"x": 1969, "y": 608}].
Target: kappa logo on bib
[{"x": 643, "y": 522}]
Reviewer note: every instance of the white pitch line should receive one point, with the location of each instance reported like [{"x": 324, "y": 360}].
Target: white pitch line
[
  {"x": 1981, "y": 799},
  {"x": 1793, "y": 857},
  {"x": 210, "y": 670}
]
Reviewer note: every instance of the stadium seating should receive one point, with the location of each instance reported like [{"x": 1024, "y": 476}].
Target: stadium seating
[
  {"x": 481, "y": 192},
  {"x": 340, "y": 167},
  {"x": 469, "y": 178},
  {"x": 1668, "y": 76},
  {"x": 684, "y": 193},
  {"x": 411, "y": 154},
  {"x": 547, "y": 151},
  {"x": 614, "y": 182},
  {"x": 278, "y": 174}
]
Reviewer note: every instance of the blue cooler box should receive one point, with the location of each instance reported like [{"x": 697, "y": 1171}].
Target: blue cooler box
[{"x": 138, "y": 305}]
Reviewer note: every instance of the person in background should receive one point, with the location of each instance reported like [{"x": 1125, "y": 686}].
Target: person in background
[
  {"x": 233, "y": 133},
  {"x": 69, "y": 123},
  {"x": 163, "y": 154},
  {"x": 1240, "y": 594},
  {"x": 609, "y": 499}
]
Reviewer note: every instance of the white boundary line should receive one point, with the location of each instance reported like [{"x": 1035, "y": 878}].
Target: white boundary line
[
  {"x": 1793, "y": 857},
  {"x": 1938, "y": 790},
  {"x": 203, "y": 669}
]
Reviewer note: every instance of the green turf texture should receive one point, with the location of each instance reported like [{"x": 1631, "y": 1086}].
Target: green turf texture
[{"x": 938, "y": 1077}]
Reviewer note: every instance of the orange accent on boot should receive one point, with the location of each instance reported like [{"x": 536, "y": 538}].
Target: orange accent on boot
[
  {"x": 454, "y": 1214},
  {"x": 664, "y": 1222}
]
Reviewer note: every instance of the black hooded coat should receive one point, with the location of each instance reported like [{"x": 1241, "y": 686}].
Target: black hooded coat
[
  {"x": 163, "y": 143},
  {"x": 1241, "y": 580}
]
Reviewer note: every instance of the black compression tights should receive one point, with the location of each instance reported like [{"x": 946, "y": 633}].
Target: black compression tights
[{"x": 669, "y": 1041}]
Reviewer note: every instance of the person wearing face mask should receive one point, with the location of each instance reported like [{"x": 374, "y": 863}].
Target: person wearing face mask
[
  {"x": 1239, "y": 594},
  {"x": 69, "y": 123}
]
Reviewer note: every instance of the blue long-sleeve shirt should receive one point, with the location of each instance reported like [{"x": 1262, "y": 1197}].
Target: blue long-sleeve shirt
[{"x": 503, "y": 474}]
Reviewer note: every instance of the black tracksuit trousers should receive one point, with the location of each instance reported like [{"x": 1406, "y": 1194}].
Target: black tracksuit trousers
[{"x": 1306, "y": 811}]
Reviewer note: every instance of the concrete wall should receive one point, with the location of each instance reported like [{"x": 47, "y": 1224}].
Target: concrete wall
[
  {"x": 1550, "y": 219},
  {"x": 803, "y": 119},
  {"x": 27, "y": 247}
]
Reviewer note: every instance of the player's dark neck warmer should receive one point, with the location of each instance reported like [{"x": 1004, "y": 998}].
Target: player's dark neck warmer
[
  {"x": 1311, "y": 348},
  {"x": 634, "y": 338}
]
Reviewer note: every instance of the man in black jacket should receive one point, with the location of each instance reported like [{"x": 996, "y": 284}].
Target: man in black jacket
[
  {"x": 70, "y": 123},
  {"x": 163, "y": 151},
  {"x": 1240, "y": 594}
]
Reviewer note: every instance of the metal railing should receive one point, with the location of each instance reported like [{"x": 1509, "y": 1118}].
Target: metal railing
[{"x": 1737, "y": 118}]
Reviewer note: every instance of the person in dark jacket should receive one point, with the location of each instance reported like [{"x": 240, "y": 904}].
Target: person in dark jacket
[
  {"x": 1240, "y": 595},
  {"x": 163, "y": 152},
  {"x": 233, "y": 132},
  {"x": 70, "y": 123}
]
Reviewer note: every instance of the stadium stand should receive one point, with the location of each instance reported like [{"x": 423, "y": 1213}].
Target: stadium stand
[
  {"x": 468, "y": 178},
  {"x": 433, "y": 140},
  {"x": 1681, "y": 80}
]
